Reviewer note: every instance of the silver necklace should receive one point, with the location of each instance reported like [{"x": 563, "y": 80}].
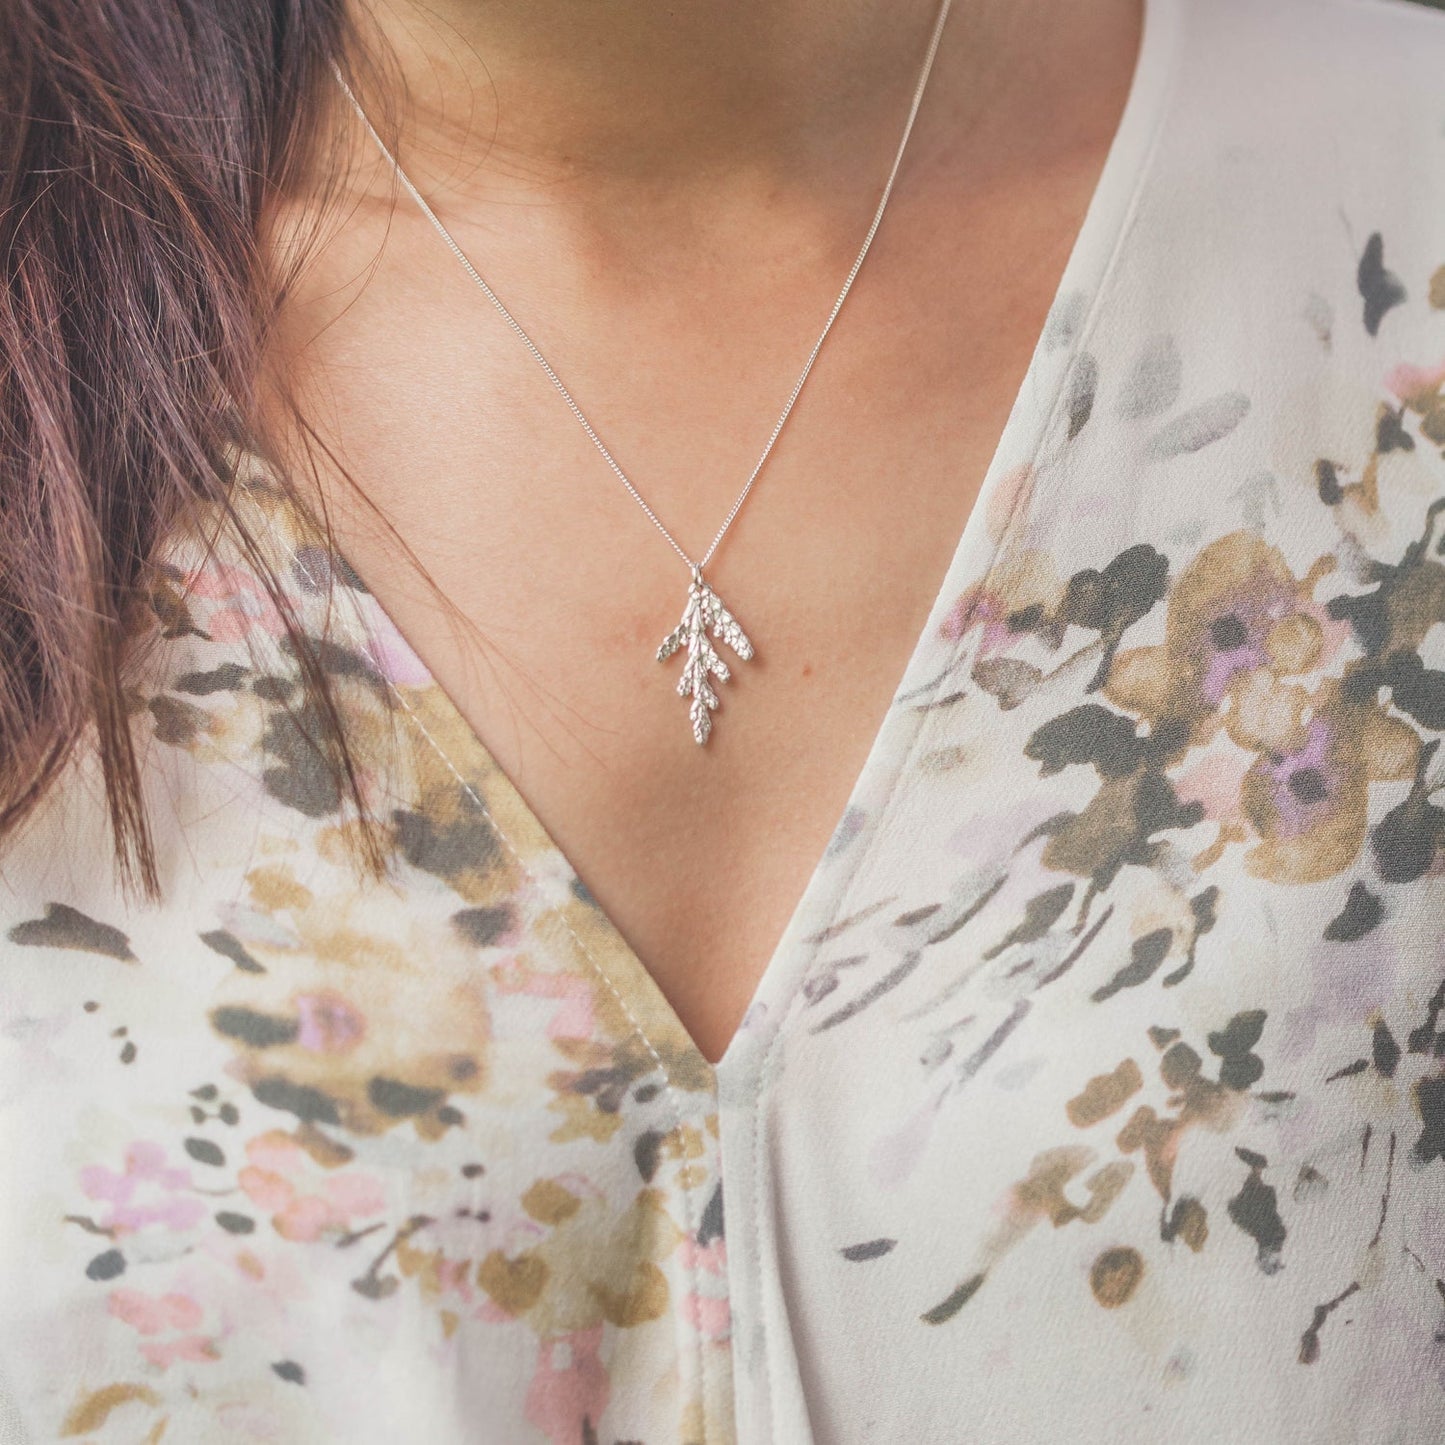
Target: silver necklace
[{"x": 704, "y": 612}]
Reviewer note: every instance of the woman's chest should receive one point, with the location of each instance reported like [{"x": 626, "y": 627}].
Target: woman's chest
[{"x": 1095, "y": 1084}]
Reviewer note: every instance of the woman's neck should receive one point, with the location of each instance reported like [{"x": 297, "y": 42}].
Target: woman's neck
[{"x": 581, "y": 98}]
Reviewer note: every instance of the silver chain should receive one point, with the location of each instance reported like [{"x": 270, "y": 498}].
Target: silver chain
[{"x": 556, "y": 380}]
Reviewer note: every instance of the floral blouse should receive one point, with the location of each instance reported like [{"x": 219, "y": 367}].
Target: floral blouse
[{"x": 1096, "y": 1089}]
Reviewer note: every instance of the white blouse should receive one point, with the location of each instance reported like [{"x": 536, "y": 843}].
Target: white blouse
[{"x": 1096, "y": 1089}]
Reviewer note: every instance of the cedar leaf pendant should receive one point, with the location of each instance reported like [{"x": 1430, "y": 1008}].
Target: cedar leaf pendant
[{"x": 704, "y": 611}]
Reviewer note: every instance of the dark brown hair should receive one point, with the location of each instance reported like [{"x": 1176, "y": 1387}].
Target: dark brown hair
[{"x": 142, "y": 143}]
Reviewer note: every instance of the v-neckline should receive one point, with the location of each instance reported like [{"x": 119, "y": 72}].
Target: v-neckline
[{"x": 1097, "y": 239}]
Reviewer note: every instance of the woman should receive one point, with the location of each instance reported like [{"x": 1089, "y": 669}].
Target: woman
[{"x": 963, "y": 963}]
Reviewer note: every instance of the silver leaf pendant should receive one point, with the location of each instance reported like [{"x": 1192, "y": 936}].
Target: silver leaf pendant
[{"x": 704, "y": 612}]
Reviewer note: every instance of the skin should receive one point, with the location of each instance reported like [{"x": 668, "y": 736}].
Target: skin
[{"x": 669, "y": 197}]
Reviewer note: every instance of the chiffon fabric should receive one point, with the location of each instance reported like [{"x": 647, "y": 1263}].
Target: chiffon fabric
[{"x": 1096, "y": 1088}]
